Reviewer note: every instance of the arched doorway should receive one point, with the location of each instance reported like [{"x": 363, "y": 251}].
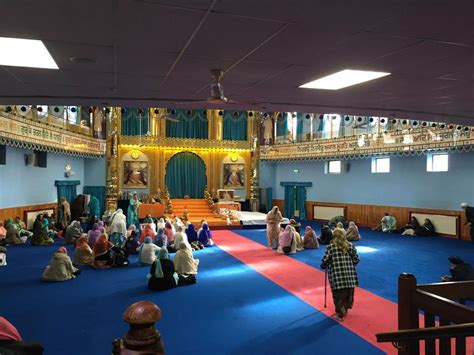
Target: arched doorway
[{"x": 186, "y": 175}]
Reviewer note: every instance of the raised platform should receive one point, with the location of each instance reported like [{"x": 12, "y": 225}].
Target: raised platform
[{"x": 198, "y": 209}]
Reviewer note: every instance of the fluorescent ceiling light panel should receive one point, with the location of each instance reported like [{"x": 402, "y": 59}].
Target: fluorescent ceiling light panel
[
  {"x": 343, "y": 79},
  {"x": 29, "y": 53}
]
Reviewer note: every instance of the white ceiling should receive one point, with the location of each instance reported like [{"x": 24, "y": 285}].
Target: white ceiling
[{"x": 160, "y": 52}]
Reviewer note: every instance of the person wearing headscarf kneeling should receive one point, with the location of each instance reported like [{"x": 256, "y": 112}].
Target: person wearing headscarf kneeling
[
  {"x": 184, "y": 262},
  {"x": 162, "y": 275},
  {"x": 73, "y": 233},
  {"x": 147, "y": 252},
  {"x": 326, "y": 235},
  {"x": 340, "y": 260},
  {"x": 352, "y": 233},
  {"x": 40, "y": 236},
  {"x": 310, "y": 241},
  {"x": 83, "y": 254},
  {"x": 60, "y": 267},
  {"x": 205, "y": 235},
  {"x": 93, "y": 235},
  {"x": 102, "y": 247},
  {"x": 286, "y": 241},
  {"x": 13, "y": 234}
]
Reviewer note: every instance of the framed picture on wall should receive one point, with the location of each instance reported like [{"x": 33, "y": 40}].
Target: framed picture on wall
[
  {"x": 135, "y": 175},
  {"x": 234, "y": 175}
]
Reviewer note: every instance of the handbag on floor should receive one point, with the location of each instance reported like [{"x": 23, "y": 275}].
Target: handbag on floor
[{"x": 287, "y": 249}]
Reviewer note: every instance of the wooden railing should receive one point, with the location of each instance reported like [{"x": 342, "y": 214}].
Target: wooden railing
[{"x": 441, "y": 300}]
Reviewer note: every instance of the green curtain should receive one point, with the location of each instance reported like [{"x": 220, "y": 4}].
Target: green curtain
[
  {"x": 269, "y": 198},
  {"x": 99, "y": 192},
  {"x": 235, "y": 125},
  {"x": 186, "y": 175},
  {"x": 289, "y": 201},
  {"x": 132, "y": 120},
  {"x": 192, "y": 124},
  {"x": 299, "y": 127},
  {"x": 301, "y": 191},
  {"x": 67, "y": 189}
]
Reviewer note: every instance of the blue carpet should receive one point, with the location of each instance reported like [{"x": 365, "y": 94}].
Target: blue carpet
[
  {"x": 232, "y": 309},
  {"x": 384, "y": 256}
]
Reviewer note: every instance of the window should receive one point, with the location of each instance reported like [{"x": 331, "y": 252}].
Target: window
[
  {"x": 380, "y": 165},
  {"x": 334, "y": 167},
  {"x": 437, "y": 162}
]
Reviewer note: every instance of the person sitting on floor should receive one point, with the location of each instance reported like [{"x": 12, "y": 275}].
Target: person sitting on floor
[
  {"x": 148, "y": 219},
  {"x": 40, "y": 237},
  {"x": 60, "y": 267},
  {"x": 49, "y": 228},
  {"x": 335, "y": 220},
  {"x": 118, "y": 228},
  {"x": 295, "y": 225},
  {"x": 93, "y": 235},
  {"x": 177, "y": 222},
  {"x": 191, "y": 233},
  {"x": 21, "y": 226},
  {"x": 340, "y": 259},
  {"x": 388, "y": 224},
  {"x": 180, "y": 237},
  {"x": 460, "y": 270},
  {"x": 131, "y": 244},
  {"x": 12, "y": 344},
  {"x": 205, "y": 235},
  {"x": 326, "y": 235},
  {"x": 160, "y": 224},
  {"x": 119, "y": 257},
  {"x": 426, "y": 229},
  {"x": 286, "y": 241},
  {"x": 310, "y": 241},
  {"x": 13, "y": 235},
  {"x": 147, "y": 252},
  {"x": 184, "y": 263},
  {"x": 3, "y": 232},
  {"x": 83, "y": 254},
  {"x": 147, "y": 232},
  {"x": 340, "y": 226},
  {"x": 130, "y": 230},
  {"x": 3, "y": 256},
  {"x": 162, "y": 275},
  {"x": 160, "y": 238},
  {"x": 73, "y": 233},
  {"x": 410, "y": 227},
  {"x": 170, "y": 232},
  {"x": 298, "y": 239},
  {"x": 352, "y": 233},
  {"x": 102, "y": 257}
]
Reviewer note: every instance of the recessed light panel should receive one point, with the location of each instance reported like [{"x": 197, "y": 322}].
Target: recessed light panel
[
  {"x": 343, "y": 79},
  {"x": 29, "y": 53}
]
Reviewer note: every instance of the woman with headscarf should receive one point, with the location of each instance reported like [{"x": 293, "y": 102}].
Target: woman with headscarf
[
  {"x": 64, "y": 211},
  {"x": 170, "y": 232},
  {"x": 160, "y": 224},
  {"x": 426, "y": 229},
  {"x": 191, "y": 233},
  {"x": 118, "y": 228},
  {"x": 180, "y": 237},
  {"x": 310, "y": 241},
  {"x": 160, "y": 238},
  {"x": 102, "y": 247},
  {"x": 147, "y": 252},
  {"x": 326, "y": 235},
  {"x": 184, "y": 263},
  {"x": 130, "y": 230},
  {"x": 352, "y": 233},
  {"x": 205, "y": 235},
  {"x": 3, "y": 232},
  {"x": 132, "y": 243},
  {"x": 94, "y": 207},
  {"x": 11, "y": 342},
  {"x": 147, "y": 232},
  {"x": 93, "y": 235},
  {"x": 60, "y": 267},
  {"x": 132, "y": 212},
  {"x": 298, "y": 239},
  {"x": 83, "y": 254},
  {"x": 40, "y": 236},
  {"x": 73, "y": 233},
  {"x": 162, "y": 275},
  {"x": 340, "y": 260},
  {"x": 286, "y": 241},
  {"x": 273, "y": 219},
  {"x": 91, "y": 223},
  {"x": 13, "y": 235}
]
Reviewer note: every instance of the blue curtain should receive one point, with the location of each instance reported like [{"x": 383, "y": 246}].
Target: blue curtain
[
  {"x": 301, "y": 201},
  {"x": 132, "y": 119},
  {"x": 282, "y": 126},
  {"x": 300, "y": 127},
  {"x": 186, "y": 175},
  {"x": 289, "y": 201},
  {"x": 235, "y": 125},
  {"x": 192, "y": 124},
  {"x": 67, "y": 189},
  {"x": 269, "y": 198},
  {"x": 99, "y": 192}
]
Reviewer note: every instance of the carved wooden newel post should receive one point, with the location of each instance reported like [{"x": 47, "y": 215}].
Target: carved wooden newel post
[
  {"x": 407, "y": 312},
  {"x": 142, "y": 337}
]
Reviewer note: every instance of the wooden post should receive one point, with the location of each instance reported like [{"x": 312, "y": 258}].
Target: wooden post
[
  {"x": 142, "y": 337},
  {"x": 407, "y": 312}
]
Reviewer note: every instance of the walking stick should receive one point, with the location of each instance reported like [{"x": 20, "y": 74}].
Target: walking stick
[{"x": 325, "y": 286}]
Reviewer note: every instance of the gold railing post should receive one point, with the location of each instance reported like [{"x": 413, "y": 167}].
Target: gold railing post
[{"x": 113, "y": 126}]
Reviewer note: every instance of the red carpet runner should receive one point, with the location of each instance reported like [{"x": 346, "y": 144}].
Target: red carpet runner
[{"x": 371, "y": 314}]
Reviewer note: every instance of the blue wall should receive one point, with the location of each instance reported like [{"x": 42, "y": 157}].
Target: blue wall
[
  {"x": 407, "y": 185},
  {"x": 95, "y": 172},
  {"x": 22, "y": 185}
]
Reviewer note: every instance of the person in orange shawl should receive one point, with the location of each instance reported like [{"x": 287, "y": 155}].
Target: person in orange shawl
[
  {"x": 147, "y": 232},
  {"x": 102, "y": 258},
  {"x": 83, "y": 254}
]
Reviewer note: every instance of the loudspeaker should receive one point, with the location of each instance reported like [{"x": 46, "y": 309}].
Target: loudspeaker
[
  {"x": 3, "y": 154},
  {"x": 41, "y": 159}
]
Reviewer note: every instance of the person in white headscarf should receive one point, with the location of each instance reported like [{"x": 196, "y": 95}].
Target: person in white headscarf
[
  {"x": 180, "y": 237},
  {"x": 273, "y": 220},
  {"x": 161, "y": 224},
  {"x": 118, "y": 228},
  {"x": 184, "y": 263}
]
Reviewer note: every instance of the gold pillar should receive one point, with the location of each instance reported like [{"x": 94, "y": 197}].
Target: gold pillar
[
  {"x": 113, "y": 129},
  {"x": 254, "y": 159},
  {"x": 215, "y": 124}
]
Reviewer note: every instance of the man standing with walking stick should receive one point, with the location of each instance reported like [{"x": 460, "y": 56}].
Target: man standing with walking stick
[{"x": 340, "y": 260}]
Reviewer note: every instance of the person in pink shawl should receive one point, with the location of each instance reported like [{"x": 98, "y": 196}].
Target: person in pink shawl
[
  {"x": 310, "y": 241},
  {"x": 286, "y": 241},
  {"x": 273, "y": 220},
  {"x": 169, "y": 231}
]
